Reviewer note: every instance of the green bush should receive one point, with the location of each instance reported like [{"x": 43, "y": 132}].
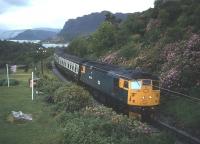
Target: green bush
[
  {"x": 12, "y": 82},
  {"x": 102, "y": 125},
  {"x": 175, "y": 33},
  {"x": 184, "y": 111},
  {"x": 152, "y": 36},
  {"x": 130, "y": 50},
  {"x": 195, "y": 91},
  {"x": 48, "y": 85},
  {"x": 72, "y": 98}
]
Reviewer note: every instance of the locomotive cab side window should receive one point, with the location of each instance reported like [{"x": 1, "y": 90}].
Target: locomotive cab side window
[
  {"x": 126, "y": 84},
  {"x": 82, "y": 69},
  {"x": 136, "y": 85}
]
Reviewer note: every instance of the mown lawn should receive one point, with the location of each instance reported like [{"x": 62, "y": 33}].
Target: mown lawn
[{"x": 43, "y": 128}]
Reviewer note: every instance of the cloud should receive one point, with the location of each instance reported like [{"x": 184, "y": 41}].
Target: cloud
[
  {"x": 54, "y": 13},
  {"x": 17, "y": 2},
  {"x": 6, "y": 5}
]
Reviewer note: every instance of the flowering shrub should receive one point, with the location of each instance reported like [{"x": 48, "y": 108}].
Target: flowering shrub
[
  {"x": 102, "y": 125},
  {"x": 181, "y": 64}
]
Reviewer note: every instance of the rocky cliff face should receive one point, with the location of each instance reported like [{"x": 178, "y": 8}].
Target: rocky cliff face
[{"x": 83, "y": 26}]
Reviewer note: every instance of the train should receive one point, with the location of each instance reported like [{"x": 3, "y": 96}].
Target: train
[{"x": 134, "y": 90}]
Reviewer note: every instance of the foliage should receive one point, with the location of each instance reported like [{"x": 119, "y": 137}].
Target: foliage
[
  {"x": 48, "y": 85},
  {"x": 83, "y": 121},
  {"x": 144, "y": 37},
  {"x": 185, "y": 112},
  {"x": 135, "y": 24},
  {"x": 174, "y": 34},
  {"x": 12, "y": 82},
  {"x": 181, "y": 66},
  {"x": 129, "y": 50},
  {"x": 15, "y": 53},
  {"x": 105, "y": 36},
  {"x": 87, "y": 24},
  {"x": 102, "y": 125},
  {"x": 71, "y": 98},
  {"x": 78, "y": 47},
  {"x": 164, "y": 40},
  {"x": 195, "y": 91}
]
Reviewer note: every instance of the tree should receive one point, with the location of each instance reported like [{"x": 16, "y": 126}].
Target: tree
[
  {"x": 112, "y": 19},
  {"x": 104, "y": 39}
]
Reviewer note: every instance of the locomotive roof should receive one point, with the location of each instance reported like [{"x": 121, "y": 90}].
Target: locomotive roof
[
  {"x": 120, "y": 71},
  {"x": 136, "y": 74}
]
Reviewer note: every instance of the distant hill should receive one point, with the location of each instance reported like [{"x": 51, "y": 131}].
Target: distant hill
[
  {"x": 85, "y": 25},
  {"x": 9, "y": 34},
  {"x": 48, "y": 29},
  {"x": 35, "y": 35},
  {"x": 29, "y": 34}
]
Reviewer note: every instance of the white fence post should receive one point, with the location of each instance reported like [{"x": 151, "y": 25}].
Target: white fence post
[
  {"x": 32, "y": 85},
  {"x": 8, "y": 75}
]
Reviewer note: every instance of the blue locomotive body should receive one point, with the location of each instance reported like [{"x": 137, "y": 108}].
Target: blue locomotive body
[{"x": 135, "y": 89}]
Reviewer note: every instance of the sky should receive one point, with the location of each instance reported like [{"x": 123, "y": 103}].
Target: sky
[{"x": 26, "y": 14}]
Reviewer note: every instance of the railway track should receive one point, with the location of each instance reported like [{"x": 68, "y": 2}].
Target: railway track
[{"x": 181, "y": 135}]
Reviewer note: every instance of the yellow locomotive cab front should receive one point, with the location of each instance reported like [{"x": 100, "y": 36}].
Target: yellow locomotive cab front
[{"x": 143, "y": 93}]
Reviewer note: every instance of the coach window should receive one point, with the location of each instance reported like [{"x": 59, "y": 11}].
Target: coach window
[
  {"x": 71, "y": 67},
  {"x": 76, "y": 70}
]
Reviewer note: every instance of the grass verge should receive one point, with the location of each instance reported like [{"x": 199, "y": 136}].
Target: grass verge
[{"x": 42, "y": 130}]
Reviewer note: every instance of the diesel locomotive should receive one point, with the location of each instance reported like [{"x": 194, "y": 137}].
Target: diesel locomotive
[{"x": 136, "y": 90}]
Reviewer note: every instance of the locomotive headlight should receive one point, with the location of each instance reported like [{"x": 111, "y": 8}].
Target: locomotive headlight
[
  {"x": 143, "y": 97},
  {"x": 150, "y": 97}
]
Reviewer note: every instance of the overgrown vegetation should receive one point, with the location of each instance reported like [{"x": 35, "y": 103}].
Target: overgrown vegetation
[
  {"x": 164, "y": 40},
  {"x": 12, "y": 82},
  {"x": 21, "y": 53},
  {"x": 84, "y": 121},
  {"x": 151, "y": 40}
]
